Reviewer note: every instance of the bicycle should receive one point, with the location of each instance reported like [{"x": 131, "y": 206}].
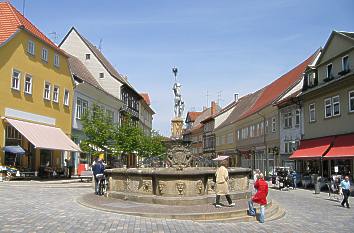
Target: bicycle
[{"x": 102, "y": 184}]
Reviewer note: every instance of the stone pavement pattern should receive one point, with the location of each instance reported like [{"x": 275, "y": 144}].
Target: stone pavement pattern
[{"x": 41, "y": 208}]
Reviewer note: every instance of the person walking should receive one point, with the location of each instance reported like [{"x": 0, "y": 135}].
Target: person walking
[
  {"x": 97, "y": 168},
  {"x": 222, "y": 187},
  {"x": 345, "y": 185},
  {"x": 260, "y": 197},
  {"x": 293, "y": 175}
]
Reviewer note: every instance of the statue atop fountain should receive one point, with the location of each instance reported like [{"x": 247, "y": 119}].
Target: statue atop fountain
[{"x": 177, "y": 121}]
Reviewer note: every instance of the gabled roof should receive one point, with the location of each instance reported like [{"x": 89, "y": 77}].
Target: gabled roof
[
  {"x": 78, "y": 69},
  {"x": 192, "y": 116},
  {"x": 241, "y": 106},
  {"x": 276, "y": 89},
  {"x": 146, "y": 98},
  {"x": 109, "y": 67},
  {"x": 347, "y": 35},
  {"x": 11, "y": 20}
]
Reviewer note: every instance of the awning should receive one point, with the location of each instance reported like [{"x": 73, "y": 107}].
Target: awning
[
  {"x": 343, "y": 147},
  {"x": 14, "y": 150},
  {"x": 312, "y": 148},
  {"x": 44, "y": 137}
]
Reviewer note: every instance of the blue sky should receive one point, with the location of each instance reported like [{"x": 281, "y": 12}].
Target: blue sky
[{"x": 219, "y": 47}]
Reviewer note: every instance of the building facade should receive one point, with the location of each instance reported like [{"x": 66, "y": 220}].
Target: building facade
[
  {"x": 35, "y": 98},
  {"x": 328, "y": 103}
]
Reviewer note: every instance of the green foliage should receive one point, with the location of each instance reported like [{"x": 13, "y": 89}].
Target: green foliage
[{"x": 102, "y": 135}]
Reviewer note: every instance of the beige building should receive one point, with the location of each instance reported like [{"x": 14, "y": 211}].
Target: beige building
[{"x": 328, "y": 103}]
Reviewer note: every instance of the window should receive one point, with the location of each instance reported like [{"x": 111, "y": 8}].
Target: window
[
  {"x": 15, "y": 84},
  {"x": 88, "y": 56},
  {"x": 262, "y": 128},
  {"x": 110, "y": 114},
  {"x": 312, "y": 112},
  {"x": 66, "y": 97},
  {"x": 56, "y": 94},
  {"x": 336, "y": 105},
  {"x": 46, "y": 91},
  {"x": 101, "y": 75},
  {"x": 44, "y": 54},
  {"x": 30, "y": 47},
  {"x": 267, "y": 127},
  {"x": 56, "y": 60},
  {"x": 297, "y": 117},
  {"x": 311, "y": 79},
  {"x": 28, "y": 84},
  {"x": 328, "y": 107},
  {"x": 288, "y": 120},
  {"x": 286, "y": 147},
  {"x": 81, "y": 107},
  {"x": 230, "y": 138},
  {"x": 351, "y": 101},
  {"x": 345, "y": 63},
  {"x": 238, "y": 131},
  {"x": 329, "y": 71},
  {"x": 273, "y": 124}
]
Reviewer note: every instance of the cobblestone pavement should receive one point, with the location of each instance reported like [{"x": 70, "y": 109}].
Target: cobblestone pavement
[{"x": 38, "y": 208}]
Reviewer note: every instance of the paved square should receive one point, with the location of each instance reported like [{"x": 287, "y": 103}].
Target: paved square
[{"x": 27, "y": 207}]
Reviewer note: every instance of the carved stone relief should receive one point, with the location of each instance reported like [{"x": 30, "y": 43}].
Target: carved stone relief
[
  {"x": 199, "y": 187},
  {"x": 180, "y": 186}
]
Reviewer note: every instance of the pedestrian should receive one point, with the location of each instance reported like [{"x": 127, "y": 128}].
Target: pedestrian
[
  {"x": 222, "y": 187},
  {"x": 69, "y": 165},
  {"x": 293, "y": 174},
  {"x": 260, "y": 197},
  {"x": 97, "y": 168},
  {"x": 345, "y": 185}
]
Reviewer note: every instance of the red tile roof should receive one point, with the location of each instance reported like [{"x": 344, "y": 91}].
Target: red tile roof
[
  {"x": 146, "y": 98},
  {"x": 277, "y": 88},
  {"x": 193, "y": 115},
  {"x": 11, "y": 20}
]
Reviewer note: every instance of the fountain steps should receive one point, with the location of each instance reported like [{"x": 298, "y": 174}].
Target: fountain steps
[{"x": 202, "y": 213}]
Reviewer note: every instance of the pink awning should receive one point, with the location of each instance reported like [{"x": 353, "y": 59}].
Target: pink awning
[{"x": 44, "y": 137}]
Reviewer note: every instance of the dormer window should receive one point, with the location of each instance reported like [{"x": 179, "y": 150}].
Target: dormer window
[
  {"x": 311, "y": 79},
  {"x": 345, "y": 63},
  {"x": 329, "y": 71}
]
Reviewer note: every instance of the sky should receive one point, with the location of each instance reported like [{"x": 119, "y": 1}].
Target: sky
[{"x": 219, "y": 47}]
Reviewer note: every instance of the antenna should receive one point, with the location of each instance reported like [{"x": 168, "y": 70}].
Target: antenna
[
  {"x": 23, "y": 7},
  {"x": 54, "y": 36},
  {"x": 207, "y": 98},
  {"x": 219, "y": 98},
  {"x": 100, "y": 45}
]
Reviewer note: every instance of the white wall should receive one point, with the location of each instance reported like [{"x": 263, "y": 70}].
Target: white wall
[{"x": 76, "y": 47}]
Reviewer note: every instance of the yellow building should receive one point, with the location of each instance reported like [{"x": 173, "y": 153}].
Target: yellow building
[{"x": 36, "y": 91}]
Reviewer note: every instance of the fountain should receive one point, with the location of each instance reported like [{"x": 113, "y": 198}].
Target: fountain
[{"x": 179, "y": 184}]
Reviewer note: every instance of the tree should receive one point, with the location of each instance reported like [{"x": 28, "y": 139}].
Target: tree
[{"x": 99, "y": 130}]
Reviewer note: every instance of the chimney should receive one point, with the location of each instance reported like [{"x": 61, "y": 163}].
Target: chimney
[
  {"x": 236, "y": 97},
  {"x": 213, "y": 107}
]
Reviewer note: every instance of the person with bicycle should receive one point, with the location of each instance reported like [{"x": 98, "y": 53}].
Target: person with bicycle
[{"x": 97, "y": 170}]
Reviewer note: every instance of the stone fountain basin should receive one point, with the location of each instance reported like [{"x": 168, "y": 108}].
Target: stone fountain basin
[{"x": 190, "y": 186}]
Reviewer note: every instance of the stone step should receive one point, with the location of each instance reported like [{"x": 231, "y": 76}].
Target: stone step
[
  {"x": 273, "y": 212},
  {"x": 202, "y": 213}
]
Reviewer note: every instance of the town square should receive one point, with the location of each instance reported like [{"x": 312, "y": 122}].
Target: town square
[{"x": 176, "y": 116}]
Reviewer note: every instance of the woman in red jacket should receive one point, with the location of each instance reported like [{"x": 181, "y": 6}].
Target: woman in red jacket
[{"x": 260, "y": 197}]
